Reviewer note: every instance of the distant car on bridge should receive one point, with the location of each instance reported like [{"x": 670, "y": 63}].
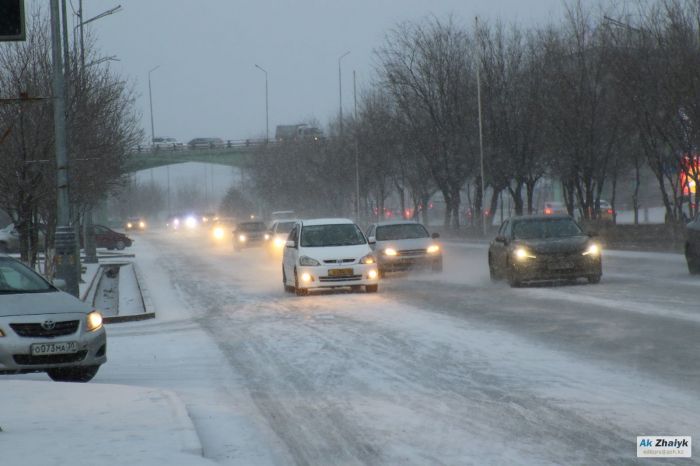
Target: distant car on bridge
[
  {"x": 166, "y": 143},
  {"x": 206, "y": 143}
]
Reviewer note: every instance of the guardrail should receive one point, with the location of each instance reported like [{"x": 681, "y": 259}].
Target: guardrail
[{"x": 225, "y": 145}]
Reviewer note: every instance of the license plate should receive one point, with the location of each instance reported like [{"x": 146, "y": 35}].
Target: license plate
[
  {"x": 340, "y": 272},
  {"x": 561, "y": 266},
  {"x": 65, "y": 347}
]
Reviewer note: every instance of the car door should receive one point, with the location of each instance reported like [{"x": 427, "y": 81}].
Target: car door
[
  {"x": 499, "y": 248},
  {"x": 289, "y": 258},
  {"x": 371, "y": 231}
]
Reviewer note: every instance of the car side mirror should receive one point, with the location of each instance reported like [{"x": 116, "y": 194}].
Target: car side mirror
[
  {"x": 60, "y": 284},
  {"x": 435, "y": 235},
  {"x": 290, "y": 244},
  {"x": 501, "y": 239},
  {"x": 372, "y": 240}
]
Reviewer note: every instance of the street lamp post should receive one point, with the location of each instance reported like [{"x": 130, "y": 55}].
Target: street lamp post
[
  {"x": 484, "y": 217},
  {"x": 357, "y": 154},
  {"x": 267, "y": 108},
  {"x": 150, "y": 101},
  {"x": 340, "y": 90}
]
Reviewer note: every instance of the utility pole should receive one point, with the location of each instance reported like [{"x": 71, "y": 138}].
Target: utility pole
[
  {"x": 340, "y": 91},
  {"x": 357, "y": 152},
  {"x": 150, "y": 102},
  {"x": 481, "y": 131},
  {"x": 65, "y": 260},
  {"x": 267, "y": 107}
]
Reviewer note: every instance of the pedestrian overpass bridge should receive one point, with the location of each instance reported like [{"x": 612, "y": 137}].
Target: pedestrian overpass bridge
[{"x": 235, "y": 156}]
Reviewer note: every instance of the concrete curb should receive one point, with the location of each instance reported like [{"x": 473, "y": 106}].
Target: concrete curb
[
  {"x": 90, "y": 290},
  {"x": 145, "y": 295}
]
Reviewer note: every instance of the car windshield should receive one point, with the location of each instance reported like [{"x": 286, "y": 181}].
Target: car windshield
[
  {"x": 17, "y": 278},
  {"x": 252, "y": 226},
  {"x": 401, "y": 231},
  {"x": 284, "y": 227},
  {"x": 543, "y": 229},
  {"x": 343, "y": 234}
]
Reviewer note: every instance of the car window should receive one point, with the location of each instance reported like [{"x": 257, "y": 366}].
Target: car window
[
  {"x": 294, "y": 234},
  {"x": 502, "y": 229},
  {"x": 252, "y": 226},
  {"x": 284, "y": 227},
  {"x": 542, "y": 229},
  {"x": 370, "y": 231},
  {"x": 100, "y": 230},
  {"x": 17, "y": 278},
  {"x": 344, "y": 234},
  {"x": 401, "y": 231}
]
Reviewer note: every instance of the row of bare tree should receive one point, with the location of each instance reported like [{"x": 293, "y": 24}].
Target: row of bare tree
[
  {"x": 605, "y": 93},
  {"x": 101, "y": 125}
]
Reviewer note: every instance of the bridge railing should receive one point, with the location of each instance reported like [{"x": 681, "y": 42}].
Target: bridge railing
[{"x": 223, "y": 146}]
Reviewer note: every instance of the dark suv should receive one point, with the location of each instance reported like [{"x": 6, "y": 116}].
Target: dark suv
[
  {"x": 692, "y": 246},
  {"x": 247, "y": 234}
]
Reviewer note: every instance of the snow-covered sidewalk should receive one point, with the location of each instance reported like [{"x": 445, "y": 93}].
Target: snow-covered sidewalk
[{"x": 47, "y": 423}]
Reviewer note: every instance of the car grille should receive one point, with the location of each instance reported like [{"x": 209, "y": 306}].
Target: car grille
[
  {"x": 347, "y": 278},
  {"x": 411, "y": 252},
  {"x": 67, "y": 327},
  {"x": 29, "y": 360},
  {"x": 338, "y": 261}
]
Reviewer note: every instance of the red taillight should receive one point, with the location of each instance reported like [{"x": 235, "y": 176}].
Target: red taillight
[
  {"x": 610, "y": 211},
  {"x": 547, "y": 211}
]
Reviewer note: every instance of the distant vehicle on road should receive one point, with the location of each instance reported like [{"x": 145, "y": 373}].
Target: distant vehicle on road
[
  {"x": 692, "y": 246},
  {"x": 205, "y": 143},
  {"x": 135, "y": 223},
  {"x": 166, "y": 143},
  {"x": 9, "y": 238},
  {"x": 300, "y": 132},
  {"x": 249, "y": 234},
  {"x": 404, "y": 245},
  {"x": 554, "y": 208},
  {"x": 110, "y": 239},
  {"x": 43, "y": 329},
  {"x": 279, "y": 231},
  {"x": 543, "y": 248},
  {"x": 328, "y": 253}
]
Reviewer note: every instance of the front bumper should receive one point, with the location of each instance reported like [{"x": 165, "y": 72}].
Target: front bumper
[
  {"x": 558, "y": 267},
  {"x": 323, "y": 277},
  {"x": 402, "y": 263},
  {"x": 15, "y": 352}
]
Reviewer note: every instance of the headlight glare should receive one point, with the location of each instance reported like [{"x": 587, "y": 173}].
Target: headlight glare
[
  {"x": 142, "y": 224},
  {"x": 523, "y": 254},
  {"x": 242, "y": 238},
  {"x": 267, "y": 236},
  {"x": 129, "y": 225},
  {"x": 308, "y": 261},
  {"x": 94, "y": 321},
  {"x": 368, "y": 259},
  {"x": 390, "y": 251},
  {"x": 433, "y": 249},
  {"x": 592, "y": 250},
  {"x": 219, "y": 233}
]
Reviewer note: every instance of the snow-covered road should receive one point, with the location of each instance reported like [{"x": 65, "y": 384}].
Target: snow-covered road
[{"x": 434, "y": 369}]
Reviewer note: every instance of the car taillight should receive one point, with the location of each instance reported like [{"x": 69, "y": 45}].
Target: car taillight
[
  {"x": 548, "y": 211},
  {"x": 610, "y": 211}
]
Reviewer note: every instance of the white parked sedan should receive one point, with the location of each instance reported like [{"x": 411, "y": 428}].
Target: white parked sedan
[
  {"x": 43, "y": 329},
  {"x": 328, "y": 253}
]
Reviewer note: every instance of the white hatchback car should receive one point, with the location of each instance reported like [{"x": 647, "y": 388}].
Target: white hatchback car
[{"x": 328, "y": 253}]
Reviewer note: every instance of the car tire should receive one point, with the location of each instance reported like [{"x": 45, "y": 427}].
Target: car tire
[
  {"x": 593, "y": 279},
  {"x": 693, "y": 266},
  {"x": 297, "y": 289},
  {"x": 3, "y": 248},
  {"x": 80, "y": 374},
  {"x": 120, "y": 245},
  {"x": 355, "y": 288},
  {"x": 513, "y": 278},
  {"x": 371, "y": 288}
]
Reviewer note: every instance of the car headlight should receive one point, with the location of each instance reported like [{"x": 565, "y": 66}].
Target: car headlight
[
  {"x": 592, "y": 250},
  {"x": 191, "y": 222},
  {"x": 390, "y": 252},
  {"x": 242, "y": 238},
  {"x": 142, "y": 224},
  {"x": 368, "y": 259},
  {"x": 129, "y": 225},
  {"x": 279, "y": 242},
  {"x": 94, "y": 321},
  {"x": 433, "y": 249},
  {"x": 219, "y": 233},
  {"x": 308, "y": 261},
  {"x": 523, "y": 254},
  {"x": 267, "y": 236}
]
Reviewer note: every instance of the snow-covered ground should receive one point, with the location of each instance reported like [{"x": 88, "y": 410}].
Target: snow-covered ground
[{"x": 434, "y": 369}]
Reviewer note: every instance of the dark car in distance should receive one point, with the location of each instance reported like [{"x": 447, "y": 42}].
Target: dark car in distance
[
  {"x": 546, "y": 247},
  {"x": 249, "y": 234},
  {"x": 692, "y": 246},
  {"x": 110, "y": 239}
]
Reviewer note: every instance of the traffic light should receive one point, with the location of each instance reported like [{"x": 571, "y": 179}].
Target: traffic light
[{"x": 12, "y": 20}]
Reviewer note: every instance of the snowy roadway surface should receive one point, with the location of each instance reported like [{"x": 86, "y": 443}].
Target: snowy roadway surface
[{"x": 434, "y": 369}]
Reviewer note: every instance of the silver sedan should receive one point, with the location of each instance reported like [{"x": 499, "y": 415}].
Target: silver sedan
[{"x": 43, "y": 329}]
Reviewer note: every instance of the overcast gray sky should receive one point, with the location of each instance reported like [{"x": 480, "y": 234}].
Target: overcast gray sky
[{"x": 207, "y": 84}]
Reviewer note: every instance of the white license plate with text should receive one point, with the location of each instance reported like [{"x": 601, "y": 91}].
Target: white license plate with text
[{"x": 64, "y": 347}]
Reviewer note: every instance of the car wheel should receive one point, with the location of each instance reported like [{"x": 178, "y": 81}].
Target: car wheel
[
  {"x": 514, "y": 278},
  {"x": 120, "y": 245},
  {"x": 298, "y": 290},
  {"x": 3, "y": 248},
  {"x": 73, "y": 374},
  {"x": 371, "y": 288},
  {"x": 593, "y": 279}
]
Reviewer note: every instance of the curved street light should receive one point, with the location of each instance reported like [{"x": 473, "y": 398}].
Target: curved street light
[{"x": 267, "y": 114}]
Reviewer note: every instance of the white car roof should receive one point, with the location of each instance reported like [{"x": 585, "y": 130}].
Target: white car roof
[{"x": 326, "y": 221}]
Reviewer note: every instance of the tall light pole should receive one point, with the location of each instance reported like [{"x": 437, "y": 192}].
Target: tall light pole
[
  {"x": 340, "y": 90},
  {"x": 267, "y": 107},
  {"x": 150, "y": 101},
  {"x": 481, "y": 131},
  {"x": 357, "y": 154}
]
